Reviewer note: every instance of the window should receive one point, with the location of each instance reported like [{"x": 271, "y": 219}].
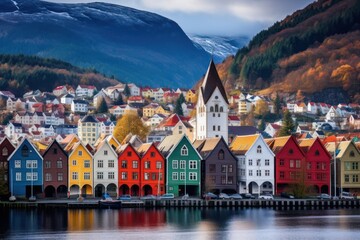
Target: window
[
  {"x": 86, "y": 163},
  {"x": 105, "y": 152},
  {"x": 258, "y": 162},
  {"x": 323, "y": 166},
  {"x": 74, "y": 162},
  {"x": 18, "y": 176},
  {"x": 267, "y": 173},
  {"x": 298, "y": 163},
  {"x": 221, "y": 155},
  {"x": 193, "y": 164},
  {"x": 5, "y": 151},
  {"x": 135, "y": 164},
  {"x": 184, "y": 151},
  {"x": 212, "y": 168},
  {"x": 258, "y": 149},
  {"x": 158, "y": 165},
  {"x": 55, "y": 150},
  {"x": 182, "y": 164},
  {"x": 100, "y": 163},
  {"x": 174, "y": 176},
  {"x": 282, "y": 175},
  {"x": 48, "y": 177},
  {"x": 211, "y": 109},
  {"x": 309, "y": 176},
  {"x": 317, "y": 153},
  {"x": 175, "y": 164},
  {"x": 318, "y": 165},
  {"x": 214, "y": 128},
  {"x": 267, "y": 162},
  {"x": 25, "y": 151},
  {"x": 292, "y": 175},
  {"x": 230, "y": 168},
  {"x": 258, "y": 173},
  {"x": 216, "y": 108},
  {"x": 87, "y": 176},
  {"x": 318, "y": 176},
  {"x": 182, "y": 176},
  {"x": 308, "y": 165},
  {"x": 147, "y": 164},
  {"x": 111, "y": 175},
  {"x": 355, "y": 166},
  {"x": 17, "y": 164},
  {"x": 347, "y": 165},
  {"x": 250, "y": 172},
  {"x": 135, "y": 176},
  {"x": 291, "y": 163},
  {"x": 291, "y": 151},
  {"x": 100, "y": 175},
  {"x": 60, "y": 177},
  {"x": 352, "y": 154},
  {"x": 31, "y": 164},
  {"x": 221, "y": 109},
  {"x": 219, "y": 128},
  {"x": 347, "y": 178},
  {"x": 129, "y": 154},
  {"x": 212, "y": 179},
  {"x": 250, "y": 162},
  {"x": 152, "y": 154},
  {"x": 282, "y": 162},
  {"x": 31, "y": 176},
  {"x": 111, "y": 164},
  {"x": 59, "y": 164},
  {"x": 47, "y": 164},
  {"x": 355, "y": 178},
  {"x": 80, "y": 153},
  {"x": 123, "y": 164},
  {"x": 192, "y": 176},
  {"x": 124, "y": 175},
  {"x": 242, "y": 172},
  {"x": 74, "y": 175}
]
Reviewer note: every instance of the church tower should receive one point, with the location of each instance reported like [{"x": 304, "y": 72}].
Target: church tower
[{"x": 212, "y": 107}]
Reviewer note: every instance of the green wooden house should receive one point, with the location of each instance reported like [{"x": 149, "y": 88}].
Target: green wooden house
[{"x": 183, "y": 166}]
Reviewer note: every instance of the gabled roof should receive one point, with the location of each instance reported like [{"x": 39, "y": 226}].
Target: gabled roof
[
  {"x": 206, "y": 146},
  {"x": 211, "y": 82},
  {"x": 76, "y": 145},
  {"x": 50, "y": 145},
  {"x": 89, "y": 118},
  {"x": 20, "y": 144},
  {"x": 242, "y": 144},
  {"x": 103, "y": 143}
]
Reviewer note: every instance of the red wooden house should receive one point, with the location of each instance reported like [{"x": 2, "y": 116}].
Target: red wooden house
[
  {"x": 129, "y": 170},
  {"x": 152, "y": 170},
  {"x": 6, "y": 149},
  {"x": 318, "y": 170}
]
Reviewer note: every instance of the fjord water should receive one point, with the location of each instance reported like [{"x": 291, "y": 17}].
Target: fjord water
[{"x": 179, "y": 224}]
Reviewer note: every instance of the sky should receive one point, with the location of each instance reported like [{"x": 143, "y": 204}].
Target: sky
[{"x": 216, "y": 17}]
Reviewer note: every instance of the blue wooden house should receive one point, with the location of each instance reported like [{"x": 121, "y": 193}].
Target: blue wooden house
[{"x": 25, "y": 171}]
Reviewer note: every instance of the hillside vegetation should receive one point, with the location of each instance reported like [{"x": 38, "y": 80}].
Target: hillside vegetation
[
  {"x": 311, "y": 50},
  {"x": 20, "y": 73}
]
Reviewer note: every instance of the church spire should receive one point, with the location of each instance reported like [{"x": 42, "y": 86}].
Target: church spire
[{"x": 211, "y": 81}]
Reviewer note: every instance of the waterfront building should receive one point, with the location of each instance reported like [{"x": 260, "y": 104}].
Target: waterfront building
[
  {"x": 80, "y": 170},
  {"x": 55, "y": 171},
  {"x": 26, "y": 170},
  {"x": 218, "y": 167},
  {"x": 183, "y": 166},
  {"x": 89, "y": 129},
  {"x": 152, "y": 180},
  {"x": 6, "y": 149},
  {"x": 105, "y": 170},
  {"x": 129, "y": 170},
  {"x": 212, "y": 107},
  {"x": 255, "y": 167}
]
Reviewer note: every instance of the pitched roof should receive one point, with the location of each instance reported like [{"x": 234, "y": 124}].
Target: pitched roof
[
  {"x": 89, "y": 118},
  {"x": 143, "y": 148},
  {"x": 276, "y": 144},
  {"x": 211, "y": 81},
  {"x": 206, "y": 146},
  {"x": 169, "y": 143},
  {"x": 241, "y": 144}
]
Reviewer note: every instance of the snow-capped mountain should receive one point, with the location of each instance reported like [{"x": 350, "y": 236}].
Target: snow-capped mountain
[
  {"x": 220, "y": 46},
  {"x": 133, "y": 45}
]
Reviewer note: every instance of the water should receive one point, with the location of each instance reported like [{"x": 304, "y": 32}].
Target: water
[{"x": 184, "y": 224}]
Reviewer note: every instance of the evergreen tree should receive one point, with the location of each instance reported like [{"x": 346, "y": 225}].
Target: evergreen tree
[
  {"x": 178, "y": 108},
  {"x": 119, "y": 100},
  {"x": 127, "y": 91},
  {"x": 102, "y": 106},
  {"x": 288, "y": 125},
  {"x": 261, "y": 124},
  {"x": 181, "y": 98},
  {"x": 277, "y": 104}
]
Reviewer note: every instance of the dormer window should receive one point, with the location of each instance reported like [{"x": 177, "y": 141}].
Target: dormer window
[
  {"x": 184, "y": 151},
  {"x": 258, "y": 149},
  {"x": 25, "y": 151}
]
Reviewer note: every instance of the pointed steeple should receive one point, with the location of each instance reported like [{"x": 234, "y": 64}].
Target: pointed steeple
[{"x": 211, "y": 81}]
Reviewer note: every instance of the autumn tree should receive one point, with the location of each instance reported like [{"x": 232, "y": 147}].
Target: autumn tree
[
  {"x": 261, "y": 125},
  {"x": 130, "y": 123},
  {"x": 102, "y": 106},
  {"x": 288, "y": 125},
  {"x": 261, "y": 108}
]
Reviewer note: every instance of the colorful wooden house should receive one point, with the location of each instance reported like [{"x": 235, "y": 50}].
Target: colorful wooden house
[
  {"x": 219, "y": 166},
  {"x": 55, "y": 171},
  {"x": 129, "y": 170},
  {"x": 26, "y": 171},
  {"x": 80, "y": 174},
  {"x": 183, "y": 166},
  {"x": 6, "y": 149},
  {"x": 105, "y": 170},
  {"x": 152, "y": 180}
]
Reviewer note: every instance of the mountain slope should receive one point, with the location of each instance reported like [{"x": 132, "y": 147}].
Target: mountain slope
[
  {"x": 313, "y": 49},
  {"x": 220, "y": 47},
  {"x": 19, "y": 73},
  {"x": 133, "y": 45}
]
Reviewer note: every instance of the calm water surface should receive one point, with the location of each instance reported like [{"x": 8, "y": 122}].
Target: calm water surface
[{"x": 182, "y": 224}]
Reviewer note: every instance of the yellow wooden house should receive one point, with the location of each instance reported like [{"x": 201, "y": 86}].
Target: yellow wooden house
[{"x": 191, "y": 96}]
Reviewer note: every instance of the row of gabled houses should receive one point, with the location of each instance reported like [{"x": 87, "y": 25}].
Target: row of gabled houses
[{"x": 251, "y": 164}]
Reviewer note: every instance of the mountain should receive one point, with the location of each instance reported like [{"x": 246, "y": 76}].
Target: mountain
[
  {"x": 219, "y": 47},
  {"x": 20, "y": 73},
  {"x": 315, "y": 53},
  {"x": 135, "y": 46}
]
